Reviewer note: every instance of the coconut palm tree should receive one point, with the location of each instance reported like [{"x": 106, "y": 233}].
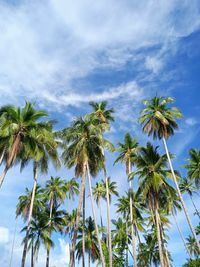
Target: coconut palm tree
[
  {"x": 91, "y": 242},
  {"x": 152, "y": 172},
  {"x": 38, "y": 233},
  {"x": 19, "y": 129},
  {"x": 193, "y": 166},
  {"x": 159, "y": 120},
  {"x": 191, "y": 244},
  {"x": 101, "y": 118},
  {"x": 128, "y": 153},
  {"x": 187, "y": 187},
  {"x": 72, "y": 189},
  {"x": 99, "y": 193},
  {"x": 83, "y": 151},
  {"x": 55, "y": 193},
  {"x": 42, "y": 149}
]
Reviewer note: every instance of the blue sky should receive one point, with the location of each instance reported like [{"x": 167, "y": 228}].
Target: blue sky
[{"x": 63, "y": 54}]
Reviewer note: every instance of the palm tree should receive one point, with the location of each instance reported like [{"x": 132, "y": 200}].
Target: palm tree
[
  {"x": 186, "y": 186},
  {"x": 72, "y": 189},
  {"x": 193, "y": 166},
  {"x": 38, "y": 233},
  {"x": 159, "y": 120},
  {"x": 101, "y": 117},
  {"x": 55, "y": 193},
  {"x": 42, "y": 149},
  {"x": 192, "y": 246},
  {"x": 128, "y": 153},
  {"x": 91, "y": 242},
  {"x": 82, "y": 150},
  {"x": 99, "y": 193},
  {"x": 152, "y": 172},
  {"x": 18, "y": 131}
]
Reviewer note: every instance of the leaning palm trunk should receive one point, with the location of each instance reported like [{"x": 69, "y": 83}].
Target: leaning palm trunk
[
  {"x": 94, "y": 217},
  {"x": 181, "y": 235},
  {"x": 48, "y": 248},
  {"x": 73, "y": 247},
  {"x": 159, "y": 238},
  {"x": 11, "y": 158},
  {"x": 131, "y": 219},
  {"x": 108, "y": 216},
  {"x": 197, "y": 212},
  {"x": 13, "y": 243},
  {"x": 2, "y": 155},
  {"x": 83, "y": 233},
  {"x": 29, "y": 217},
  {"x": 180, "y": 196}
]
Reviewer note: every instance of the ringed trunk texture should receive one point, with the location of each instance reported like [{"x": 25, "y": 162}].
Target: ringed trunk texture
[
  {"x": 73, "y": 247},
  {"x": 94, "y": 217},
  {"x": 181, "y": 198},
  {"x": 159, "y": 239},
  {"x": 134, "y": 251},
  {"x": 108, "y": 217},
  {"x": 29, "y": 219},
  {"x": 83, "y": 232}
]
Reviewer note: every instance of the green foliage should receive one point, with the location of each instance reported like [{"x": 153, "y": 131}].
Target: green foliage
[{"x": 192, "y": 263}]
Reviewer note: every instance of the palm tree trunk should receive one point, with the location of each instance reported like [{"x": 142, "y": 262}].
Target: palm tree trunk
[
  {"x": 159, "y": 239},
  {"x": 180, "y": 196},
  {"x": 165, "y": 252},
  {"x": 89, "y": 258},
  {"x": 50, "y": 217},
  {"x": 73, "y": 247},
  {"x": 108, "y": 216},
  {"x": 12, "y": 157},
  {"x": 94, "y": 217},
  {"x": 131, "y": 218},
  {"x": 181, "y": 235},
  {"x": 2, "y": 155},
  {"x": 32, "y": 256},
  {"x": 83, "y": 232},
  {"x": 13, "y": 243},
  {"x": 29, "y": 218},
  {"x": 99, "y": 206},
  {"x": 2, "y": 177},
  {"x": 197, "y": 212},
  {"x": 127, "y": 243}
]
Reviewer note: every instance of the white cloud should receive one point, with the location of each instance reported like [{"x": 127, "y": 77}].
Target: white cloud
[
  {"x": 45, "y": 50},
  {"x": 191, "y": 121}
]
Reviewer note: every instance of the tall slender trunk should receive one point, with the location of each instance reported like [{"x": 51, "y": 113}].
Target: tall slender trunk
[
  {"x": 35, "y": 171},
  {"x": 180, "y": 196},
  {"x": 165, "y": 252},
  {"x": 181, "y": 235},
  {"x": 127, "y": 243},
  {"x": 12, "y": 157},
  {"x": 94, "y": 217},
  {"x": 159, "y": 238},
  {"x": 50, "y": 217},
  {"x": 2, "y": 155},
  {"x": 13, "y": 243},
  {"x": 131, "y": 218},
  {"x": 32, "y": 256},
  {"x": 2, "y": 177},
  {"x": 73, "y": 247},
  {"x": 197, "y": 212},
  {"x": 83, "y": 232},
  {"x": 89, "y": 258},
  {"x": 108, "y": 216},
  {"x": 99, "y": 206}
]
